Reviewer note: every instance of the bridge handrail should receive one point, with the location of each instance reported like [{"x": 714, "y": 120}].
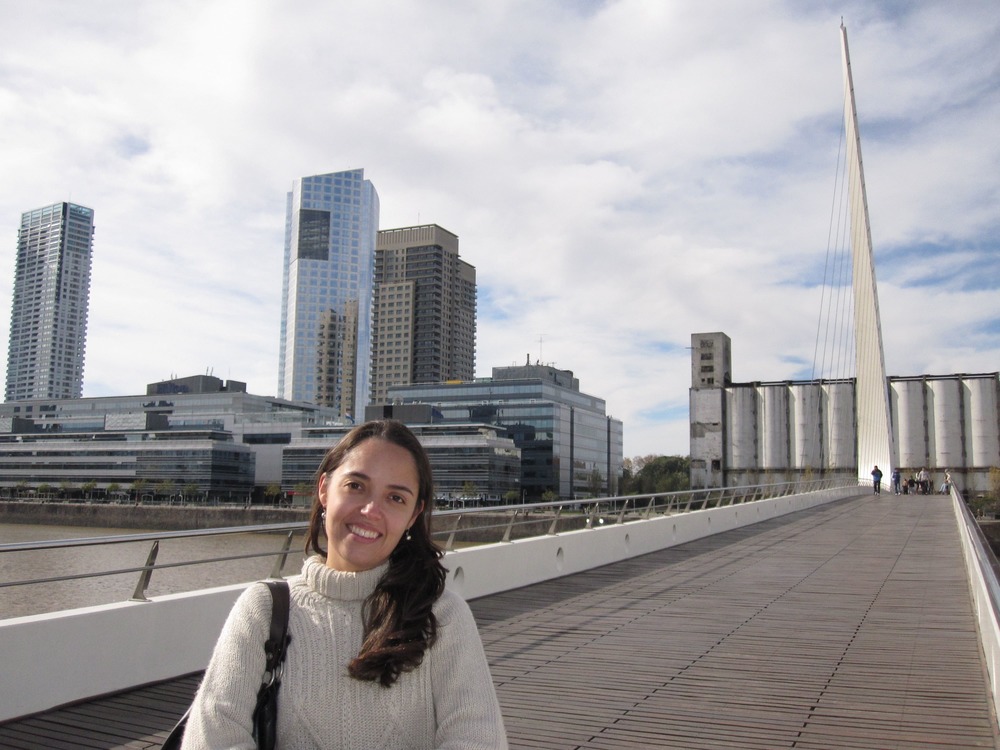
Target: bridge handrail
[
  {"x": 497, "y": 523},
  {"x": 983, "y": 572}
]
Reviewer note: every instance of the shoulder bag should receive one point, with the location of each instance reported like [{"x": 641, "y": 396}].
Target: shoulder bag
[{"x": 265, "y": 714}]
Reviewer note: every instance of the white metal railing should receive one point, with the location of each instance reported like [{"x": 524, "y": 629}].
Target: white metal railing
[
  {"x": 105, "y": 648},
  {"x": 983, "y": 572},
  {"x": 454, "y": 527}
]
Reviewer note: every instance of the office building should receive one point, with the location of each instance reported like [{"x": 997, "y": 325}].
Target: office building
[
  {"x": 325, "y": 350},
  {"x": 569, "y": 445},
  {"x": 471, "y": 463},
  {"x": 761, "y": 432},
  {"x": 207, "y": 438},
  {"x": 424, "y": 314},
  {"x": 48, "y": 322}
]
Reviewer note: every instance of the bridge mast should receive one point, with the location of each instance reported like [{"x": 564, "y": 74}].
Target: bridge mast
[{"x": 876, "y": 445}]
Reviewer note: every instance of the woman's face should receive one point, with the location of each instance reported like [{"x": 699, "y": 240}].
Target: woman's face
[{"x": 371, "y": 499}]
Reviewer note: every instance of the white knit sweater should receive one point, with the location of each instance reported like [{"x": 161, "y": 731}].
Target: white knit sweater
[{"x": 447, "y": 702}]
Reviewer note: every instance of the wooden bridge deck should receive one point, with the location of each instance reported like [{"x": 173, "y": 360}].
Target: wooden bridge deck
[{"x": 846, "y": 626}]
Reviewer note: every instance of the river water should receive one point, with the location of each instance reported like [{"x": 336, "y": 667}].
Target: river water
[{"x": 16, "y": 601}]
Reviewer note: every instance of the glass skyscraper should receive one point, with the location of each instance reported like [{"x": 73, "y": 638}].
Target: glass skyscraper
[
  {"x": 330, "y": 227},
  {"x": 48, "y": 322}
]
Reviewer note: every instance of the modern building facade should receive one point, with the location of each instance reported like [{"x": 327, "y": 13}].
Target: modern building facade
[
  {"x": 198, "y": 432},
  {"x": 325, "y": 349},
  {"x": 424, "y": 314},
  {"x": 569, "y": 445},
  {"x": 48, "y": 323},
  {"x": 480, "y": 460},
  {"x": 749, "y": 433}
]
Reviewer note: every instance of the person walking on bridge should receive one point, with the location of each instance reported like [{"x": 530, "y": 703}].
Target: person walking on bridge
[
  {"x": 877, "y": 480},
  {"x": 924, "y": 479}
]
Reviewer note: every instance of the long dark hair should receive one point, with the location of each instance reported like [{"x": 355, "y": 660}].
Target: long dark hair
[{"x": 399, "y": 618}]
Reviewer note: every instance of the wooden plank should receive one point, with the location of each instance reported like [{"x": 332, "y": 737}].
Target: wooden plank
[{"x": 844, "y": 627}]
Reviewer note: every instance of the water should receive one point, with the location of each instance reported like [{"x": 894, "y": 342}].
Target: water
[{"x": 16, "y": 601}]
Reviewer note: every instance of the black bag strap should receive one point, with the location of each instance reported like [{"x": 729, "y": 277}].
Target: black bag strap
[
  {"x": 274, "y": 647},
  {"x": 278, "y": 639}
]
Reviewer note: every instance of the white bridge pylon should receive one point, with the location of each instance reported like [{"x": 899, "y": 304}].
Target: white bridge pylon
[{"x": 876, "y": 444}]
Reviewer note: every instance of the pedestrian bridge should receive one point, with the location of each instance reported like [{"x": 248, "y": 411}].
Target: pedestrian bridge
[{"x": 856, "y": 622}]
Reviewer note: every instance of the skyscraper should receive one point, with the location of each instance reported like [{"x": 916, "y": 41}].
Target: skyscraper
[
  {"x": 424, "y": 315},
  {"x": 48, "y": 321},
  {"x": 330, "y": 226}
]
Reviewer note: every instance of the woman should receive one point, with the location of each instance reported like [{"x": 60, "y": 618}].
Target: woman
[{"x": 381, "y": 655}]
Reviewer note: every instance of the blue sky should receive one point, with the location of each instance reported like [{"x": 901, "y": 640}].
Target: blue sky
[{"x": 621, "y": 174}]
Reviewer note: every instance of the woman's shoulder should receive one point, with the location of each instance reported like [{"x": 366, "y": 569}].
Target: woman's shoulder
[{"x": 450, "y": 607}]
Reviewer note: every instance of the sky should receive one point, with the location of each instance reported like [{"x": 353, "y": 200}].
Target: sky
[{"x": 622, "y": 174}]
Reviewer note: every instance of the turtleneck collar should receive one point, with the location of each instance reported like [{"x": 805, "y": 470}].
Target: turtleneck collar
[{"x": 337, "y": 584}]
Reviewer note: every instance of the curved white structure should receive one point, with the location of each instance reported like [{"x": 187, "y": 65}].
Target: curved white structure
[
  {"x": 945, "y": 430},
  {"x": 742, "y": 443},
  {"x": 910, "y": 420},
  {"x": 982, "y": 411},
  {"x": 841, "y": 449},
  {"x": 774, "y": 426},
  {"x": 806, "y": 406},
  {"x": 875, "y": 440}
]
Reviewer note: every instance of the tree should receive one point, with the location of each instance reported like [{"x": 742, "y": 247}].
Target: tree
[
  {"x": 88, "y": 487},
  {"x": 190, "y": 491},
  {"x": 595, "y": 484},
  {"x": 137, "y": 487},
  {"x": 272, "y": 491},
  {"x": 647, "y": 475},
  {"x": 165, "y": 487}
]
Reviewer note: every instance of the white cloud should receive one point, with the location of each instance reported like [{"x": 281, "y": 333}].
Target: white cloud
[{"x": 622, "y": 174}]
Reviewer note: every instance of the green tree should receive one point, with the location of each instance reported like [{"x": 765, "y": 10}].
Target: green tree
[
  {"x": 595, "y": 484},
  {"x": 190, "y": 491},
  {"x": 88, "y": 487},
  {"x": 138, "y": 486},
  {"x": 272, "y": 491},
  {"x": 646, "y": 475},
  {"x": 165, "y": 487}
]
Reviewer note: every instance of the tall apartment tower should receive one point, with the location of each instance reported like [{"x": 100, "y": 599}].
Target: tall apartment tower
[
  {"x": 330, "y": 226},
  {"x": 48, "y": 321},
  {"x": 424, "y": 319}
]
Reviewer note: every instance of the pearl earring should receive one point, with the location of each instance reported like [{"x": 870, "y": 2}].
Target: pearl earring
[
  {"x": 408, "y": 536},
  {"x": 322, "y": 515}
]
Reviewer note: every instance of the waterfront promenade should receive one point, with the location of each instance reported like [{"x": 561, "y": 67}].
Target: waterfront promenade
[{"x": 849, "y": 625}]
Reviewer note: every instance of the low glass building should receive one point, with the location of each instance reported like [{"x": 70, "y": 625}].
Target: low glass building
[
  {"x": 477, "y": 463},
  {"x": 568, "y": 443}
]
